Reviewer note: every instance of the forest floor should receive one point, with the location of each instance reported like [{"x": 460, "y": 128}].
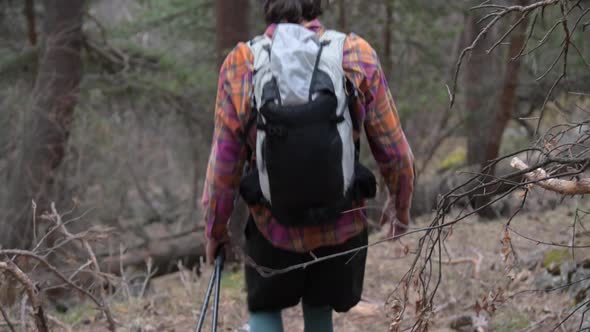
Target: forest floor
[{"x": 172, "y": 302}]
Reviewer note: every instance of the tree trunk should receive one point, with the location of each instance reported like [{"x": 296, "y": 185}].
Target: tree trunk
[
  {"x": 506, "y": 105},
  {"x": 480, "y": 82},
  {"x": 232, "y": 25},
  {"x": 29, "y": 12},
  {"x": 507, "y": 102},
  {"x": 388, "y": 38},
  {"x": 47, "y": 122},
  {"x": 342, "y": 17}
]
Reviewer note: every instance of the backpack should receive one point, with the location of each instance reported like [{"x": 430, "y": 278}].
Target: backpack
[{"x": 307, "y": 169}]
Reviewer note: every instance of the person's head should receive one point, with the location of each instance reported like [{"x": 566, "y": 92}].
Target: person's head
[{"x": 291, "y": 11}]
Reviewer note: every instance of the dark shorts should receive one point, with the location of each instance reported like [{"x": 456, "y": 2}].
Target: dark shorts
[{"x": 337, "y": 282}]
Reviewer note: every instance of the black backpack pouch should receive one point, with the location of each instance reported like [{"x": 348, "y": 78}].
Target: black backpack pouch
[
  {"x": 250, "y": 187},
  {"x": 365, "y": 183}
]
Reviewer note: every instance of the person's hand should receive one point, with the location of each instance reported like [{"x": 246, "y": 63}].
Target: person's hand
[
  {"x": 402, "y": 222},
  {"x": 212, "y": 248},
  {"x": 397, "y": 220}
]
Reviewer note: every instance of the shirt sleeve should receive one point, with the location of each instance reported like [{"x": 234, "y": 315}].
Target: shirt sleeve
[
  {"x": 385, "y": 136},
  {"x": 228, "y": 154}
]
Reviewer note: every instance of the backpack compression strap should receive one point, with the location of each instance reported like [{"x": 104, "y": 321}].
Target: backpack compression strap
[{"x": 337, "y": 40}]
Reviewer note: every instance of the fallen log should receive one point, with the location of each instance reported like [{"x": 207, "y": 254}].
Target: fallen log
[{"x": 165, "y": 254}]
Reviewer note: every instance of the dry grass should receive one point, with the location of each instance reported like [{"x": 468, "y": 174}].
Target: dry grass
[{"x": 172, "y": 302}]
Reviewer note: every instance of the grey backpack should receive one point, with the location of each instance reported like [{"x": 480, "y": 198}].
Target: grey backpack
[{"x": 306, "y": 169}]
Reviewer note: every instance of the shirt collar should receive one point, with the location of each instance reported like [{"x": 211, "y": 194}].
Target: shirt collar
[{"x": 314, "y": 25}]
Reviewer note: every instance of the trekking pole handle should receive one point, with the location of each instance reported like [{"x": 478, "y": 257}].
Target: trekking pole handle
[
  {"x": 219, "y": 260},
  {"x": 220, "y": 256}
]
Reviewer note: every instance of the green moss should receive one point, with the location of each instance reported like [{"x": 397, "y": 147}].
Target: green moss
[
  {"x": 233, "y": 281},
  {"x": 509, "y": 320},
  {"x": 455, "y": 159},
  {"x": 76, "y": 315},
  {"x": 556, "y": 257},
  {"x": 20, "y": 64}
]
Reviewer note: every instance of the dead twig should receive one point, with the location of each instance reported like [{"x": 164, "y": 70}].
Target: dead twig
[
  {"x": 7, "y": 319},
  {"x": 59, "y": 323},
  {"x": 25, "y": 281},
  {"x": 497, "y": 14},
  {"x": 52, "y": 269},
  {"x": 474, "y": 261},
  {"x": 564, "y": 187},
  {"x": 104, "y": 302}
]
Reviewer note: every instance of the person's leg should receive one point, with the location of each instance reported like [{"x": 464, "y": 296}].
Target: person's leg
[
  {"x": 317, "y": 319},
  {"x": 267, "y": 294},
  {"x": 266, "y": 321},
  {"x": 337, "y": 282}
]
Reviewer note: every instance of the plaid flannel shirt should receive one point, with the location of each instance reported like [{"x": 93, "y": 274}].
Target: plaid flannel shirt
[{"x": 375, "y": 109}]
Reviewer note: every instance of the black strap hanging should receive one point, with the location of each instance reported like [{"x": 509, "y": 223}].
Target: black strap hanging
[
  {"x": 352, "y": 96},
  {"x": 316, "y": 67}
]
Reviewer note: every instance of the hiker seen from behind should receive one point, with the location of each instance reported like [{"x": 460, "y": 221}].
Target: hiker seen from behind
[{"x": 292, "y": 106}]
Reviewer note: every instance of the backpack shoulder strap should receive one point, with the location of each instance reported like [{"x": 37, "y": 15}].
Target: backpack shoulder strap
[
  {"x": 335, "y": 47},
  {"x": 333, "y": 35},
  {"x": 334, "y": 43},
  {"x": 260, "y": 48},
  {"x": 332, "y": 56}
]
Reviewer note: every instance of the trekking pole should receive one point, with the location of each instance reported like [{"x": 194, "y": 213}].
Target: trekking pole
[
  {"x": 218, "y": 267},
  {"x": 214, "y": 281},
  {"x": 206, "y": 302}
]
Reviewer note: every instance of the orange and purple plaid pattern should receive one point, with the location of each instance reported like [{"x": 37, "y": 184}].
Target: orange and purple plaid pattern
[{"x": 375, "y": 109}]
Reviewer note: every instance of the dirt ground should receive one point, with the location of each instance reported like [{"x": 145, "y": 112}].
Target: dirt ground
[{"x": 172, "y": 302}]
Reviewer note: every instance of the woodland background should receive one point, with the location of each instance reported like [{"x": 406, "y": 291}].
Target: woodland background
[{"x": 106, "y": 117}]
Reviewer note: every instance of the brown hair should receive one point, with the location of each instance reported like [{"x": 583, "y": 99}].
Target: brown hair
[{"x": 291, "y": 11}]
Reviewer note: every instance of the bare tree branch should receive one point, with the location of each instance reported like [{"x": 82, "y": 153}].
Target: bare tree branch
[
  {"x": 7, "y": 319},
  {"x": 52, "y": 269},
  {"x": 25, "y": 281},
  {"x": 499, "y": 12},
  {"x": 564, "y": 187},
  {"x": 104, "y": 302}
]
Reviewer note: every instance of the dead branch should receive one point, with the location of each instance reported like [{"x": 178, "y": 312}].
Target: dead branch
[
  {"x": 568, "y": 316},
  {"x": 497, "y": 14},
  {"x": 522, "y": 19},
  {"x": 52, "y": 269},
  {"x": 104, "y": 302},
  {"x": 547, "y": 243},
  {"x": 555, "y": 160},
  {"x": 528, "y": 38},
  {"x": 59, "y": 323},
  {"x": 25, "y": 281},
  {"x": 544, "y": 39},
  {"x": 7, "y": 320},
  {"x": 542, "y": 179},
  {"x": 474, "y": 261}
]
